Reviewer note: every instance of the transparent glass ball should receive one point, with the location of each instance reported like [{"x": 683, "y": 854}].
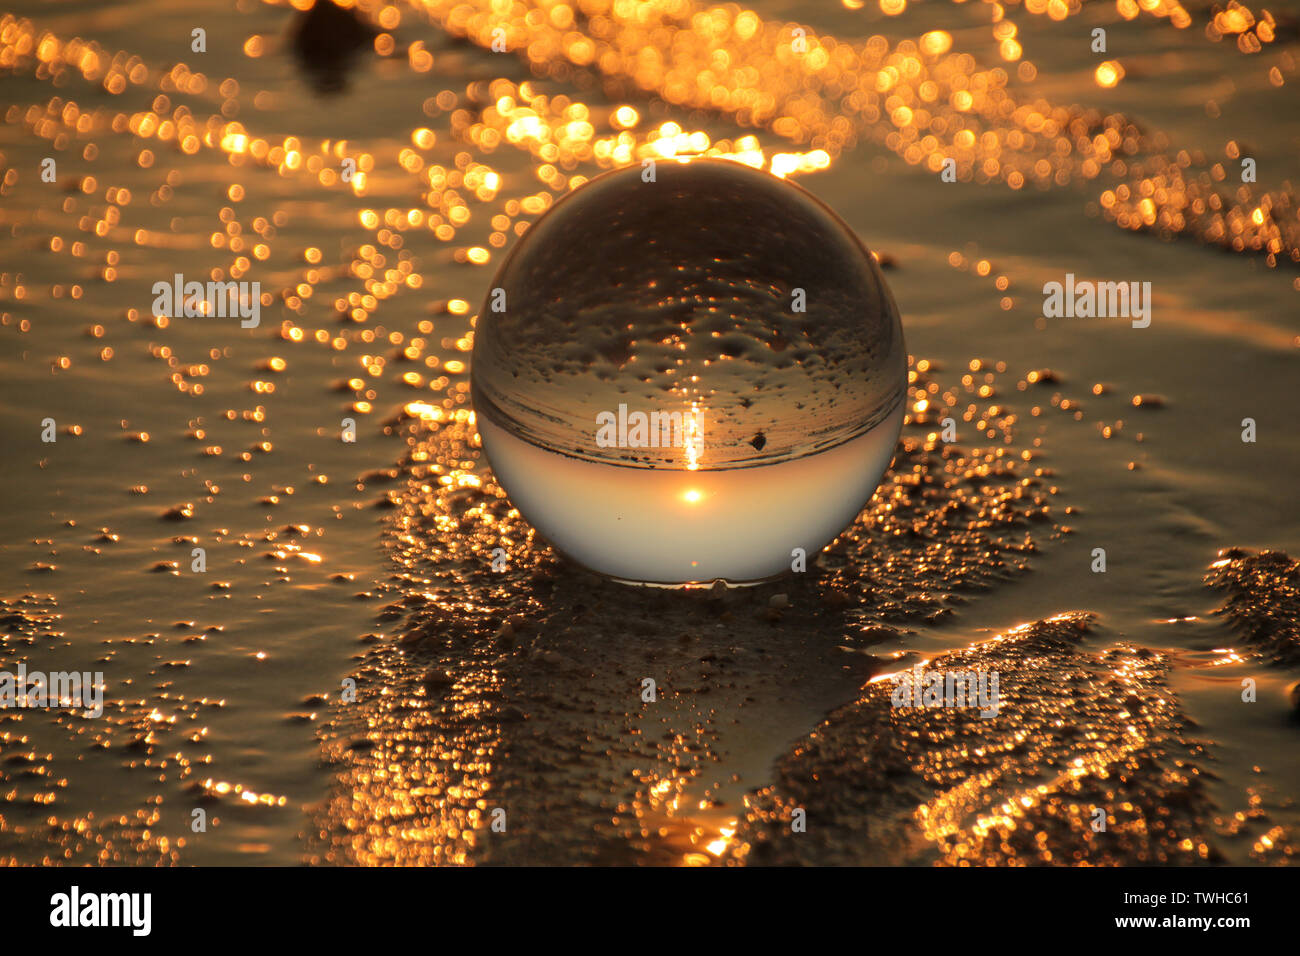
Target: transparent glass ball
[{"x": 694, "y": 376}]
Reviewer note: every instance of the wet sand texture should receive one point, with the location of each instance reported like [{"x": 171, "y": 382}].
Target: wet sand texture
[
  {"x": 521, "y": 689},
  {"x": 1261, "y": 601},
  {"x": 1079, "y": 729}
]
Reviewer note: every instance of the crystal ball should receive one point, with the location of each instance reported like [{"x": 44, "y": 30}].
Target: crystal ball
[{"x": 689, "y": 372}]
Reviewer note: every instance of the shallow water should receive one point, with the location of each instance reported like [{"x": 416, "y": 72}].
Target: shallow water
[{"x": 523, "y": 689}]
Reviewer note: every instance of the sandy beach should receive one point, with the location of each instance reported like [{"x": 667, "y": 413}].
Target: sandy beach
[{"x": 274, "y": 543}]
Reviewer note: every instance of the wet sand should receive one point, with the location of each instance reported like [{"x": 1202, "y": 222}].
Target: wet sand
[{"x": 523, "y": 689}]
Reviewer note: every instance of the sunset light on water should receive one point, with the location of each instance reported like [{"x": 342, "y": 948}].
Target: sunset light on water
[{"x": 651, "y": 432}]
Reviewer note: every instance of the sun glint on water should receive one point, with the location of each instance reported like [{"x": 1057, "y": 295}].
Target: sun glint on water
[{"x": 687, "y": 376}]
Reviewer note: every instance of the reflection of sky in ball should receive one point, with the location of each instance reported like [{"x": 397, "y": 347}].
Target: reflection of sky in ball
[{"x": 681, "y": 293}]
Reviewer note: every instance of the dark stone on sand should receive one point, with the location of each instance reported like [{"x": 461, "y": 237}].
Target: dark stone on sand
[
  {"x": 511, "y": 715},
  {"x": 326, "y": 41}
]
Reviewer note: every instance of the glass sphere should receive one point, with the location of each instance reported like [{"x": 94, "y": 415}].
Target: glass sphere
[{"x": 688, "y": 372}]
